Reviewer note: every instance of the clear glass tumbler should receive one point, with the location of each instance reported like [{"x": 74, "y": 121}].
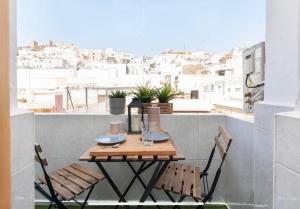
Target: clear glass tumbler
[{"x": 146, "y": 128}]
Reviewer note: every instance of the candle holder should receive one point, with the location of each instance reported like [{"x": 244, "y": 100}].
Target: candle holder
[{"x": 134, "y": 122}]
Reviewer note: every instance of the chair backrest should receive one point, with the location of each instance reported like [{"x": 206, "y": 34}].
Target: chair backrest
[
  {"x": 43, "y": 162},
  {"x": 38, "y": 158},
  {"x": 222, "y": 143}
]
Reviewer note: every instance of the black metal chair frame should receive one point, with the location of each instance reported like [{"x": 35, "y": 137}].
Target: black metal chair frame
[
  {"x": 53, "y": 197},
  {"x": 208, "y": 191}
]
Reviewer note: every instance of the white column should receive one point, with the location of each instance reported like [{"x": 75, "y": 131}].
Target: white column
[
  {"x": 298, "y": 95},
  {"x": 281, "y": 89},
  {"x": 282, "y": 52},
  {"x": 13, "y": 53}
]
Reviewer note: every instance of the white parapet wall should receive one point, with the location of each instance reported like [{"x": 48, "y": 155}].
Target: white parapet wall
[
  {"x": 22, "y": 169},
  {"x": 287, "y": 161},
  {"x": 239, "y": 169},
  {"x": 65, "y": 137}
]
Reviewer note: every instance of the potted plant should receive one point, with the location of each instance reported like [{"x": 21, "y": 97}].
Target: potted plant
[
  {"x": 164, "y": 95},
  {"x": 117, "y": 101},
  {"x": 145, "y": 94}
]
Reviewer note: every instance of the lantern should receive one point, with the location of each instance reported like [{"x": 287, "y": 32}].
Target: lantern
[{"x": 134, "y": 121}]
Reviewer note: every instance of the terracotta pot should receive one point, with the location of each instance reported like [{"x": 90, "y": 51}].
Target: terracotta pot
[
  {"x": 165, "y": 108},
  {"x": 146, "y": 105}
]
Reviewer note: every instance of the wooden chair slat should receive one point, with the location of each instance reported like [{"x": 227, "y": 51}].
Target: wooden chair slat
[
  {"x": 163, "y": 157},
  {"x": 178, "y": 180},
  {"x": 196, "y": 184},
  {"x": 81, "y": 175},
  {"x": 99, "y": 176},
  {"x": 83, "y": 184},
  {"x": 161, "y": 181},
  {"x": 219, "y": 146},
  {"x": 38, "y": 148},
  {"x": 85, "y": 157},
  {"x": 169, "y": 183},
  {"x": 147, "y": 157},
  {"x": 187, "y": 180},
  {"x": 74, "y": 188},
  {"x": 43, "y": 160},
  {"x": 62, "y": 191},
  {"x": 224, "y": 135}
]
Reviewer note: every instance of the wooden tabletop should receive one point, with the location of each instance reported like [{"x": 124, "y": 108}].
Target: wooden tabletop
[{"x": 133, "y": 149}]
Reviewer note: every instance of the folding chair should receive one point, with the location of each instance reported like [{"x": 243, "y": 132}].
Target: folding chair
[
  {"x": 190, "y": 181},
  {"x": 65, "y": 184}
]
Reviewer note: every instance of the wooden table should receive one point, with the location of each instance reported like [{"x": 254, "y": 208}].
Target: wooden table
[{"x": 133, "y": 150}]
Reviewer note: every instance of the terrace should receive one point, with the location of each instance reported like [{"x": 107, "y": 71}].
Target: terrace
[{"x": 261, "y": 170}]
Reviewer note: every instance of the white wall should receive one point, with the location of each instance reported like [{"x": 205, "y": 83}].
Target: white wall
[
  {"x": 66, "y": 136},
  {"x": 281, "y": 88},
  {"x": 239, "y": 167},
  {"x": 282, "y": 51},
  {"x": 287, "y": 158},
  {"x": 22, "y": 169},
  {"x": 263, "y": 139}
]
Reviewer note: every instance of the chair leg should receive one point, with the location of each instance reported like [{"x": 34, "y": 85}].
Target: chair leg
[
  {"x": 180, "y": 200},
  {"x": 87, "y": 197},
  {"x": 198, "y": 206},
  {"x": 50, "y": 206},
  {"x": 54, "y": 200},
  {"x": 172, "y": 199}
]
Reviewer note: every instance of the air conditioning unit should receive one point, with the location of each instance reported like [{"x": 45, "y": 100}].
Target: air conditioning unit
[{"x": 254, "y": 75}]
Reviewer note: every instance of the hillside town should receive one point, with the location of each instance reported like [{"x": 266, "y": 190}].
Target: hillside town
[{"x": 46, "y": 68}]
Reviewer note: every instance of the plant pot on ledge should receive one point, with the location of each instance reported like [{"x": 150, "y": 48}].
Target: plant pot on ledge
[
  {"x": 146, "y": 95},
  {"x": 146, "y": 105},
  {"x": 117, "y": 106},
  {"x": 164, "y": 95},
  {"x": 117, "y": 102},
  {"x": 165, "y": 108}
]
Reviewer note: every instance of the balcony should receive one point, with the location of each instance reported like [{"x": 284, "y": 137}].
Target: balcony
[
  {"x": 66, "y": 136},
  {"x": 261, "y": 171}
]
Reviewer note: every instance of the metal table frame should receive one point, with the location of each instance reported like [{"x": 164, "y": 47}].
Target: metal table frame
[{"x": 145, "y": 165}]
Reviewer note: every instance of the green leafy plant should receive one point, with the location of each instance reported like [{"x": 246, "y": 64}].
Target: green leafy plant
[
  {"x": 145, "y": 93},
  {"x": 118, "y": 94},
  {"x": 166, "y": 93}
]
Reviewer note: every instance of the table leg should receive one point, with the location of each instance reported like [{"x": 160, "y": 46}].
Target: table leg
[
  {"x": 110, "y": 181},
  {"x": 137, "y": 175},
  {"x": 131, "y": 183},
  {"x": 134, "y": 178},
  {"x": 157, "y": 173}
]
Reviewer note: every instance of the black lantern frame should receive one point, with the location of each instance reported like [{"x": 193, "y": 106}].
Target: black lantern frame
[{"x": 135, "y": 103}]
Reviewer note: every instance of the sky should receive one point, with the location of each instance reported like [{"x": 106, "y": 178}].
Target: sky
[{"x": 143, "y": 27}]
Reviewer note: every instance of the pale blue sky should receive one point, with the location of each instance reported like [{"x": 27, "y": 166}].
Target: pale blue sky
[{"x": 144, "y": 27}]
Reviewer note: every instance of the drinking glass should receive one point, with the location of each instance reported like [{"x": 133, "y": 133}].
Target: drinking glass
[{"x": 146, "y": 128}]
